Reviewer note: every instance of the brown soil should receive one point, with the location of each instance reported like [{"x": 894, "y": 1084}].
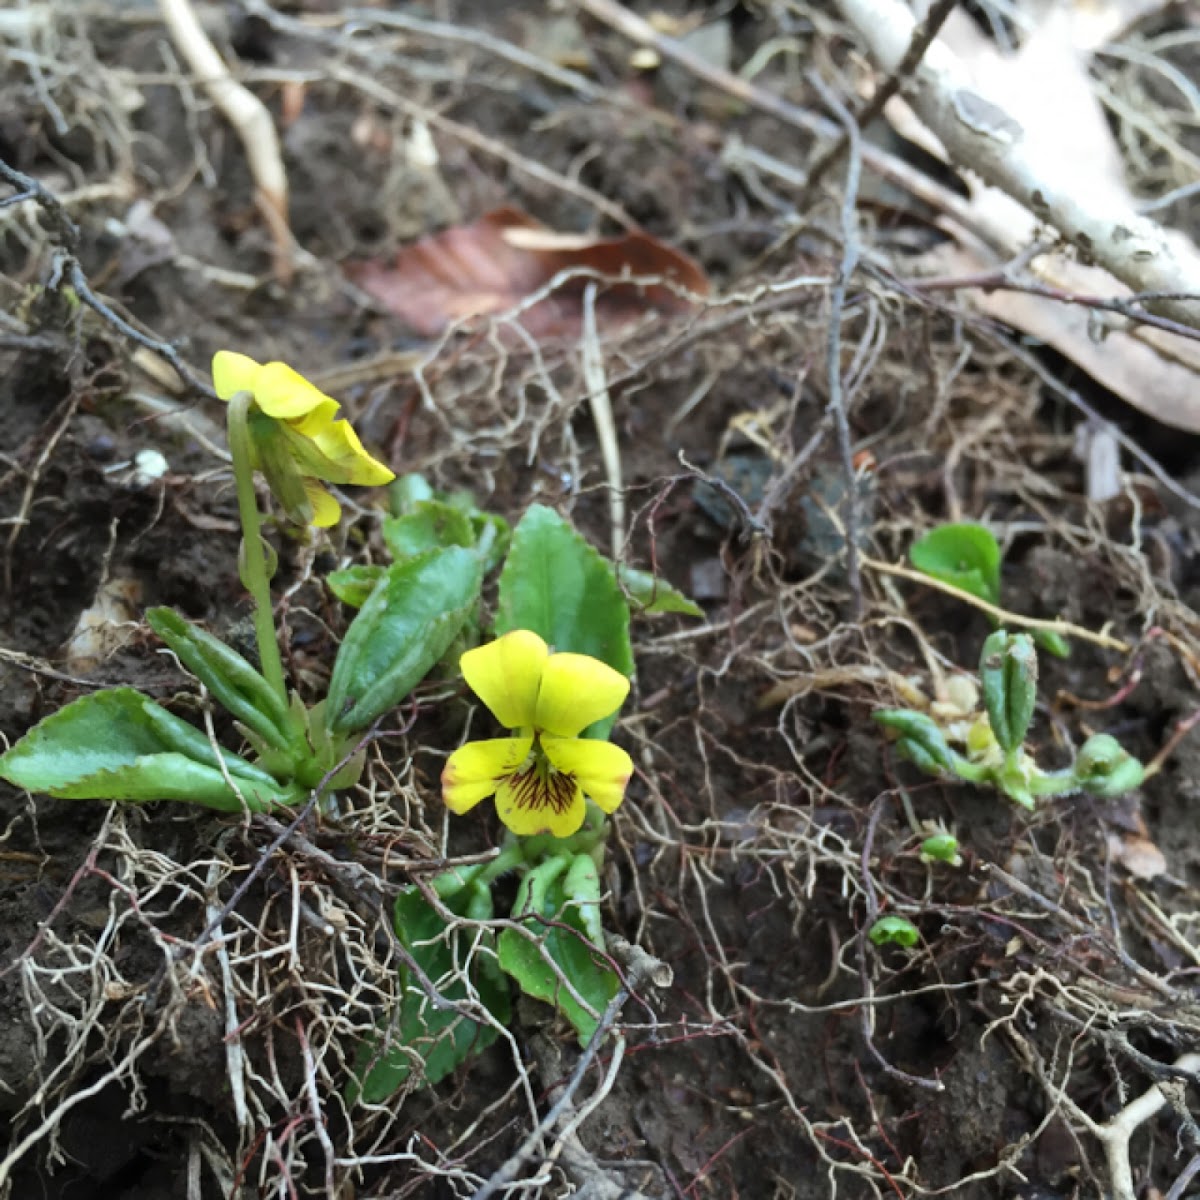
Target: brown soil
[{"x": 140, "y": 1056}]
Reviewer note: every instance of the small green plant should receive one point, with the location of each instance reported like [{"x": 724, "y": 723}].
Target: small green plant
[
  {"x": 995, "y": 743},
  {"x": 894, "y": 931},
  {"x": 553, "y": 678},
  {"x": 943, "y": 848},
  {"x": 119, "y": 744},
  {"x": 967, "y": 556}
]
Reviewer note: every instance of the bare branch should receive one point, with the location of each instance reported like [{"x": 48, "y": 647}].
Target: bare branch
[{"x": 978, "y": 133}]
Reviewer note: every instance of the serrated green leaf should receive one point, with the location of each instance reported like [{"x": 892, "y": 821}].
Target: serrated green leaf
[
  {"x": 427, "y": 525},
  {"x": 121, "y": 745},
  {"x": 404, "y": 627},
  {"x": 427, "y": 1040},
  {"x": 536, "y": 965},
  {"x": 581, "y": 886},
  {"x": 653, "y": 595},
  {"x": 352, "y": 585},
  {"x": 965, "y": 555},
  {"x": 560, "y": 587},
  {"x": 237, "y": 686}
]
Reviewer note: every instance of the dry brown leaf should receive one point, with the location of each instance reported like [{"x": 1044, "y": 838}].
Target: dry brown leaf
[
  {"x": 496, "y": 262},
  {"x": 1047, "y": 90},
  {"x": 1138, "y": 855},
  {"x": 104, "y": 626},
  {"x": 1154, "y": 371}
]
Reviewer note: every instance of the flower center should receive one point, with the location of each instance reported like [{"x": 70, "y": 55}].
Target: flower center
[{"x": 540, "y": 785}]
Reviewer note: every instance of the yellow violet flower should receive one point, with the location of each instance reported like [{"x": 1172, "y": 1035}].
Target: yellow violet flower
[
  {"x": 296, "y": 438},
  {"x": 541, "y": 774}
]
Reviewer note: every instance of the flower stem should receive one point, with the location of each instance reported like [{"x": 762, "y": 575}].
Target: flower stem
[
  {"x": 509, "y": 859},
  {"x": 253, "y": 560}
]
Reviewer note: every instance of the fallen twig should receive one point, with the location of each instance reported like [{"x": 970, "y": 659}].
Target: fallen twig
[
  {"x": 922, "y": 37},
  {"x": 602, "y": 416},
  {"x": 886, "y": 165},
  {"x": 66, "y": 265},
  {"x": 1066, "y": 628},
  {"x": 980, "y": 134},
  {"x": 833, "y": 344},
  {"x": 1115, "y": 1133},
  {"x": 249, "y": 118}
]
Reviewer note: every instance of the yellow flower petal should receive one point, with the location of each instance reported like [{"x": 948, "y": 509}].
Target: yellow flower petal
[
  {"x": 475, "y": 770},
  {"x": 505, "y": 674},
  {"x": 601, "y": 769},
  {"x": 233, "y": 373},
  {"x": 339, "y": 443},
  {"x": 533, "y": 803},
  {"x": 326, "y": 511},
  {"x": 316, "y": 421},
  {"x": 286, "y": 395},
  {"x": 577, "y": 690}
]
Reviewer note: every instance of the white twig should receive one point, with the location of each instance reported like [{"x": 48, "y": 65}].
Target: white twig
[
  {"x": 1115, "y": 1134},
  {"x": 602, "y": 415},
  {"x": 247, "y": 114},
  {"x": 979, "y": 134}
]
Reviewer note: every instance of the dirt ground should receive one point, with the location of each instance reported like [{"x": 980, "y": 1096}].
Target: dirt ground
[{"x": 164, "y": 1034}]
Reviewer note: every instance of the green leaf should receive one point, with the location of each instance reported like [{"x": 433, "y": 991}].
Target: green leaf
[
  {"x": 567, "y": 892},
  {"x": 407, "y": 491},
  {"x": 895, "y": 931},
  {"x": 966, "y": 555},
  {"x": 409, "y": 495},
  {"x": 493, "y": 537},
  {"x": 921, "y": 737},
  {"x": 275, "y": 454},
  {"x": 564, "y": 590},
  {"x": 653, "y": 595},
  {"x": 941, "y": 847},
  {"x": 1008, "y": 676},
  {"x": 427, "y": 1040},
  {"x": 428, "y": 525},
  {"x": 1052, "y": 642},
  {"x": 405, "y": 626},
  {"x": 1106, "y": 769},
  {"x": 237, "y": 686},
  {"x": 352, "y": 585},
  {"x": 121, "y": 745}
]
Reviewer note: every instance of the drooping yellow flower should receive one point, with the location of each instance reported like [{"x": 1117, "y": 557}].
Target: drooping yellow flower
[
  {"x": 541, "y": 774},
  {"x": 296, "y": 437}
]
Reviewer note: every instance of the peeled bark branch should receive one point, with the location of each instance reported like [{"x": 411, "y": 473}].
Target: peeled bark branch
[
  {"x": 979, "y": 134},
  {"x": 245, "y": 112}
]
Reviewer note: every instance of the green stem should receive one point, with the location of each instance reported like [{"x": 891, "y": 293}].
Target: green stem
[
  {"x": 969, "y": 771},
  {"x": 542, "y": 847},
  {"x": 508, "y": 859},
  {"x": 1054, "y": 783},
  {"x": 450, "y": 883},
  {"x": 254, "y": 563}
]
